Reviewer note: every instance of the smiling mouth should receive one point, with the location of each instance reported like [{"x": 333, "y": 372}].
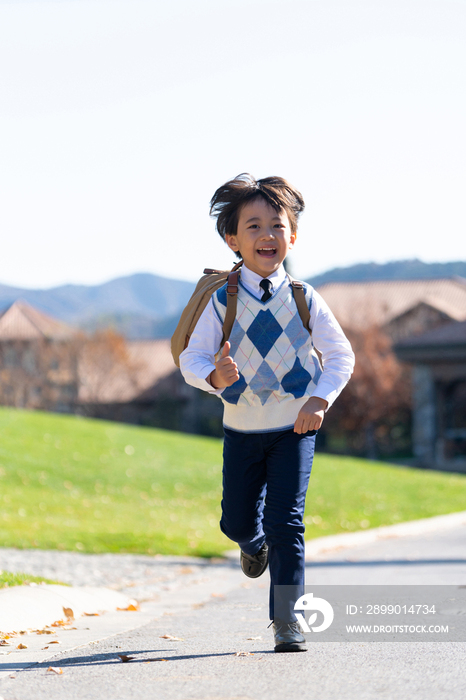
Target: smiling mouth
[{"x": 267, "y": 252}]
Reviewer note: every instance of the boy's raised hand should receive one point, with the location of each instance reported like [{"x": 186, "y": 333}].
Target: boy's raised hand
[
  {"x": 226, "y": 370},
  {"x": 311, "y": 415}
]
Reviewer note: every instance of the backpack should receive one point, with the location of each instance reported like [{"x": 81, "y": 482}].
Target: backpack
[{"x": 207, "y": 285}]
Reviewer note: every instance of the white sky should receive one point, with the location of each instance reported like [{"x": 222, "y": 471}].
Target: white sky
[{"x": 120, "y": 118}]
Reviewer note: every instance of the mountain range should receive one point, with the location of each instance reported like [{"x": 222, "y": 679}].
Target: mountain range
[{"x": 144, "y": 305}]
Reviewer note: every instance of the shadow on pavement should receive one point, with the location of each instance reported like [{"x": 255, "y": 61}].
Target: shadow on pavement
[{"x": 113, "y": 658}]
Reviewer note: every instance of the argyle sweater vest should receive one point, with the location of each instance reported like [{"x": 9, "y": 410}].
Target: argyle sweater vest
[{"x": 278, "y": 367}]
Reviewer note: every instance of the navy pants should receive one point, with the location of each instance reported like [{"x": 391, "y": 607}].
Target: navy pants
[{"x": 265, "y": 480}]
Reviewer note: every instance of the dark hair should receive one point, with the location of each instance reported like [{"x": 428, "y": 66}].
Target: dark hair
[{"x": 229, "y": 199}]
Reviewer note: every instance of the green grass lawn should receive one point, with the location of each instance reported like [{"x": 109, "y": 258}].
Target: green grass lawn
[
  {"x": 94, "y": 486},
  {"x": 19, "y": 579}
]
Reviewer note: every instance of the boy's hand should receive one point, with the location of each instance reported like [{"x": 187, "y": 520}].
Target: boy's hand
[
  {"x": 311, "y": 415},
  {"x": 226, "y": 370}
]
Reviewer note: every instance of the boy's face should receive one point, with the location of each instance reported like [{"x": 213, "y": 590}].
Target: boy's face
[{"x": 263, "y": 237}]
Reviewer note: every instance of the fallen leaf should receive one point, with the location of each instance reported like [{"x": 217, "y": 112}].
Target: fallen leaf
[
  {"x": 68, "y": 613},
  {"x": 55, "y": 669},
  {"x": 54, "y": 641},
  {"x": 59, "y": 623},
  {"x": 124, "y": 658},
  {"x": 253, "y": 638},
  {"x": 171, "y": 638},
  {"x": 91, "y": 614},
  {"x": 22, "y": 646},
  {"x": 244, "y": 653},
  {"x": 4, "y": 643}
]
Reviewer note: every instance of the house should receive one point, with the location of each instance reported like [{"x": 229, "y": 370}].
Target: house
[
  {"x": 145, "y": 387},
  {"x": 404, "y": 311},
  {"x": 439, "y": 395},
  {"x": 37, "y": 365}
]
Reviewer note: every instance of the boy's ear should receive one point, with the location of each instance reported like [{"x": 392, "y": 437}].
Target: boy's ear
[
  {"x": 293, "y": 239},
  {"x": 231, "y": 242}
]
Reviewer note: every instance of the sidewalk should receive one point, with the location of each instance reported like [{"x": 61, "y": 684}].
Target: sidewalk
[{"x": 435, "y": 554}]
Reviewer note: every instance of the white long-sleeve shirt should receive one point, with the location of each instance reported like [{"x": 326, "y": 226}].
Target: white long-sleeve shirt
[{"x": 198, "y": 360}]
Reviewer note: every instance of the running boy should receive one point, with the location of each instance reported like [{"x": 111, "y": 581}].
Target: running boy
[{"x": 274, "y": 391}]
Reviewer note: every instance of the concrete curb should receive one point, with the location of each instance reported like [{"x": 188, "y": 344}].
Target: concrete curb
[{"x": 34, "y": 607}]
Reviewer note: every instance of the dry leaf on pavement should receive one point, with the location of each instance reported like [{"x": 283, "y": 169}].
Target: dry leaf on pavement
[
  {"x": 68, "y": 612},
  {"x": 44, "y": 632},
  {"x": 22, "y": 646},
  {"x": 124, "y": 658},
  {"x": 253, "y": 638},
  {"x": 171, "y": 638},
  {"x": 244, "y": 653},
  {"x": 55, "y": 669}
]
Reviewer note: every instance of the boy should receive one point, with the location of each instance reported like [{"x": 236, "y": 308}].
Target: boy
[{"x": 272, "y": 386}]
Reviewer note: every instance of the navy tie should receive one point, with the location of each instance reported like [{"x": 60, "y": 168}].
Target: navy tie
[{"x": 267, "y": 287}]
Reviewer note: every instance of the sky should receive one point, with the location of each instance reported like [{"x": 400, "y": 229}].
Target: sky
[{"x": 120, "y": 118}]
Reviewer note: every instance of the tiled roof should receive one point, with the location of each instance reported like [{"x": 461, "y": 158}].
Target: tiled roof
[
  {"x": 20, "y": 321},
  {"x": 358, "y": 305}
]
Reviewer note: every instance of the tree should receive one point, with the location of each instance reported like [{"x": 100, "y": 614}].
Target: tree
[
  {"x": 373, "y": 412},
  {"x": 107, "y": 374}
]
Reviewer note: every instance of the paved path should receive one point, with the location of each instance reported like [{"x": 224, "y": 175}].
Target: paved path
[{"x": 213, "y": 629}]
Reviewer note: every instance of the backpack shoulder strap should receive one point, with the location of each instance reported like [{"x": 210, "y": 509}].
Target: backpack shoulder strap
[
  {"x": 303, "y": 310},
  {"x": 232, "y": 299},
  {"x": 205, "y": 288},
  {"x": 300, "y": 300}
]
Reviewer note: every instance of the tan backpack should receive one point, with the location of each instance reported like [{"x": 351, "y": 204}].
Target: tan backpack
[{"x": 207, "y": 285}]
